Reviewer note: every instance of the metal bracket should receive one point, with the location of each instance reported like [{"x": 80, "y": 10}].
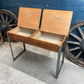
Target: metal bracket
[{"x": 14, "y": 58}]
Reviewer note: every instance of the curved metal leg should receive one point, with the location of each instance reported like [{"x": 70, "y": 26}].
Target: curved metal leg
[{"x": 14, "y": 58}]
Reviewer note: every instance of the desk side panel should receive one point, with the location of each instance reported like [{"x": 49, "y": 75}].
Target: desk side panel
[{"x": 44, "y": 45}]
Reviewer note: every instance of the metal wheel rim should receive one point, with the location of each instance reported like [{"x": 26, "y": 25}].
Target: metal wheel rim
[
  {"x": 12, "y": 22},
  {"x": 68, "y": 53},
  {"x": 7, "y": 21}
]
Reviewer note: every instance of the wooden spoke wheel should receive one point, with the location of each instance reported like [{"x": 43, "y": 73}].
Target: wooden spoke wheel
[
  {"x": 75, "y": 44},
  {"x": 7, "y": 21},
  {"x": 1, "y": 39}
]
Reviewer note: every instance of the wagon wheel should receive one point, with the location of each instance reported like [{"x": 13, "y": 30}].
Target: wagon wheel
[
  {"x": 1, "y": 39},
  {"x": 75, "y": 44},
  {"x": 7, "y": 21}
]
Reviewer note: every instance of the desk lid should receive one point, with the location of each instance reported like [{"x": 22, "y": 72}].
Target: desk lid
[
  {"x": 56, "y": 21},
  {"x": 29, "y": 18}
]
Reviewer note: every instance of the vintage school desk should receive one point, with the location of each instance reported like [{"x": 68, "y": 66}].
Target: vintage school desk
[{"x": 51, "y": 35}]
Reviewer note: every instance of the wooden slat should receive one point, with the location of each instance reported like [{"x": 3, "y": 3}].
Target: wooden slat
[
  {"x": 6, "y": 18},
  {"x": 56, "y": 21},
  {"x": 29, "y": 17},
  {"x": 45, "y": 45},
  {"x": 73, "y": 49},
  {"x": 10, "y": 21},
  {"x": 76, "y": 37},
  {"x": 2, "y": 17},
  {"x": 20, "y": 38},
  {"x": 11, "y": 25},
  {"x": 78, "y": 55},
  {"x": 81, "y": 32},
  {"x": 72, "y": 42}
]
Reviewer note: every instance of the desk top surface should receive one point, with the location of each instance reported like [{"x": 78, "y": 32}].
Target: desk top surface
[
  {"x": 53, "y": 21},
  {"x": 29, "y": 18},
  {"x": 56, "y": 21}
]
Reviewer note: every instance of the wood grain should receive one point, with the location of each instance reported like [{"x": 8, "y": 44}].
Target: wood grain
[
  {"x": 16, "y": 37},
  {"x": 44, "y": 44},
  {"x": 47, "y": 40},
  {"x": 20, "y": 34},
  {"x": 29, "y": 17},
  {"x": 54, "y": 28},
  {"x": 56, "y": 21},
  {"x": 48, "y": 37}
]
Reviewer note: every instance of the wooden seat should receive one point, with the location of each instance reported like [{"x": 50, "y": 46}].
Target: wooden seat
[{"x": 52, "y": 34}]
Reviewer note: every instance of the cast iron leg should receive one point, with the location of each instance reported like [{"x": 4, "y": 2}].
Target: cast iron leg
[
  {"x": 58, "y": 61},
  {"x": 14, "y": 58}
]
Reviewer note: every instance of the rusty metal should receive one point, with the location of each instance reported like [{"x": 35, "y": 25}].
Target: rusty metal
[{"x": 75, "y": 44}]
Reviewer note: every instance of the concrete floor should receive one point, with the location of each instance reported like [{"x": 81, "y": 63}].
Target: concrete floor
[
  {"x": 9, "y": 75},
  {"x": 41, "y": 64}
]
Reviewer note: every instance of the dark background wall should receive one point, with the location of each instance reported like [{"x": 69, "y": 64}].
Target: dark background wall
[{"x": 77, "y": 6}]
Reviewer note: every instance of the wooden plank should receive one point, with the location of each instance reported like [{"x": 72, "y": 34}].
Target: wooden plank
[
  {"x": 76, "y": 37},
  {"x": 45, "y": 45},
  {"x": 29, "y": 18},
  {"x": 73, "y": 42},
  {"x": 78, "y": 55},
  {"x": 73, "y": 49},
  {"x": 81, "y": 32},
  {"x": 56, "y": 21},
  {"x": 16, "y": 37}
]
